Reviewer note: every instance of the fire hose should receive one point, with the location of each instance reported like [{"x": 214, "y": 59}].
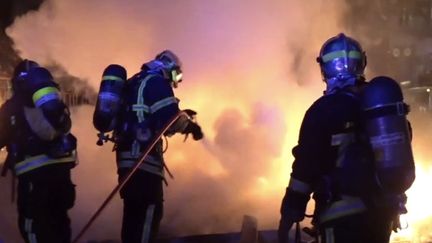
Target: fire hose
[{"x": 126, "y": 178}]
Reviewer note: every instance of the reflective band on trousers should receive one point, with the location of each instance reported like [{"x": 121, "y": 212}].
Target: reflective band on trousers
[
  {"x": 38, "y": 161},
  {"x": 145, "y": 237},
  {"x": 346, "y": 206},
  {"x": 329, "y": 235},
  {"x": 44, "y": 95},
  {"x": 341, "y": 54},
  {"x": 28, "y": 227},
  {"x": 299, "y": 186}
]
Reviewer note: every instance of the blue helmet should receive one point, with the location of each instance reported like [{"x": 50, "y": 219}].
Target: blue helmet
[
  {"x": 342, "y": 62},
  {"x": 20, "y": 73},
  {"x": 168, "y": 64}
]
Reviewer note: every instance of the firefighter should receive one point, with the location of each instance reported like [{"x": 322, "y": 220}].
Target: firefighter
[
  {"x": 35, "y": 129},
  {"x": 149, "y": 104},
  {"x": 346, "y": 158}
]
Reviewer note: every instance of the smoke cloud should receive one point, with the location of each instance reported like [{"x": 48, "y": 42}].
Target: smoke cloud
[{"x": 250, "y": 73}]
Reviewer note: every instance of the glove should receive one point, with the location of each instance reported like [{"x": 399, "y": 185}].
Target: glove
[
  {"x": 190, "y": 113},
  {"x": 292, "y": 210},
  {"x": 283, "y": 230},
  {"x": 195, "y": 129}
]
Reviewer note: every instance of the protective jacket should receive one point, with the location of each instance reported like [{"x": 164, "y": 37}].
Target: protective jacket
[
  {"x": 149, "y": 106},
  {"x": 26, "y": 151},
  {"x": 335, "y": 161},
  {"x": 41, "y": 152}
]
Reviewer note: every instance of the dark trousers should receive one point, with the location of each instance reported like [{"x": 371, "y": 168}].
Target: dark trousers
[
  {"x": 43, "y": 202},
  {"x": 142, "y": 207},
  {"x": 370, "y": 227}
]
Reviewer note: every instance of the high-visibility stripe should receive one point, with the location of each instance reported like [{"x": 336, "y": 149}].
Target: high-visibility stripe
[
  {"x": 140, "y": 98},
  {"x": 44, "y": 91},
  {"x": 130, "y": 155},
  {"x": 299, "y": 186},
  {"x": 44, "y": 95},
  {"x": 27, "y": 225},
  {"x": 112, "y": 77},
  {"x": 346, "y": 206},
  {"x": 342, "y": 140},
  {"x": 329, "y": 234},
  {"x": 35, "y": 162},
  {"x": 146, "y": 166},
  {"x": 143, "y": 108},
  {"x": 145, "y": 238},
  {"x": 130, "y": 162},
  {"x": 162, "y": 103},
  {"x": 339, "y": 54},
  {"x": 31, "y": 237},
  {"x": 136, "y": 147}
]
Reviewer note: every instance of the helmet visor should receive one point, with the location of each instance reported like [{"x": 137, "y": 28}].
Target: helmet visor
[{"x": 342, "y": 62}]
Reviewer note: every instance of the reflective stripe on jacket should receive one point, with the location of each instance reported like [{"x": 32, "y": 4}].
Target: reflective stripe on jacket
[
  {"x": 34, "y": 162},
  {"x": 345, "y": 207},
  {"x": 152, "y": 164},
  {"x": 141, "y": 108},
  {"x": 299, "y": 186}
]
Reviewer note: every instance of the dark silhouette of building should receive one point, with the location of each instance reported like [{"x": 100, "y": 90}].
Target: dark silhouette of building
[{"x": 397, "y": 36}]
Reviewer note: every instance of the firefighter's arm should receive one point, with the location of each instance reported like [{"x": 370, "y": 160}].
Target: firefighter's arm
[
  {"x": 164, "y": 106},
  {"x": 308, "y": 154},
  {"x": 6, "y": 131},
  {"x": 410, "y": 132},
  {"x": 186, "y": 125},
  {"x": 6, "y": 126}
]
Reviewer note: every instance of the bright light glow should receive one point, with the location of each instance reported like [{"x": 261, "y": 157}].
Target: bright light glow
[{"x": 418, "y": 219}]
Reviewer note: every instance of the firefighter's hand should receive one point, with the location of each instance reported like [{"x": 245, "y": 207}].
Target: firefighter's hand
[
  {"x": 396, "y": 225},
  {"x": 283, "y": 230},
  {"x": 195, "y": 129}
]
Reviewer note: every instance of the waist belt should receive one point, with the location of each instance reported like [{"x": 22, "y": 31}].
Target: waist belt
[
  {"x": 38, "y": 161},
  {"x": 127, "y": 159},
  {"x": 345, "y": 207}
]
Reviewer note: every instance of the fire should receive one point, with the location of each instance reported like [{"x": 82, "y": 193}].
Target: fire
[{"x": 416, "y": 223}]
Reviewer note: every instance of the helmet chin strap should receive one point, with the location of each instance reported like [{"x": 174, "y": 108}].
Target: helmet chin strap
[
  {"x": 159, "y": 67},
  {"x": 336, "y": 84},
  {"x": 174, "y": 84}
]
